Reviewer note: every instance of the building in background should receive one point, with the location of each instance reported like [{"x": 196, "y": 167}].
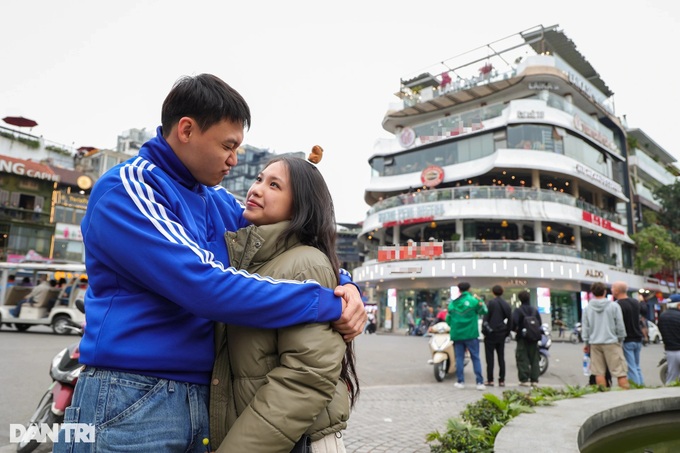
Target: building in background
[
  {"x": 508, "y": 166},
  {"x": 651, "y": 167},
  {"x": 348, "y": 246},
  {"x": 39, "y": 205},
  {"x": 130, "y": 141}
]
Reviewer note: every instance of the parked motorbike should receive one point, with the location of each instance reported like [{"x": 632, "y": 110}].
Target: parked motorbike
[
  {"x": 423, "y": 327},
  {"x": 441, "y": 348},
  {"x": 64, "y": 372},
  {"x": 575, "y": 336},
  {"x": 543, "y": 347}
]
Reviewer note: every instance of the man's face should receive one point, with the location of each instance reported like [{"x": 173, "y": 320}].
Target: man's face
[
  {"x": 209, "y": 155},
  {"x": 270, "y": 198}
]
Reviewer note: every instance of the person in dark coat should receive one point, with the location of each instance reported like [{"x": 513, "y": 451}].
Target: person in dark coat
[
  {"x": 632, "y": 344},
  {"x": 669, "y": 326},
  {"x": 526, "y": 353},
  {"x": 495, "y": 326}
]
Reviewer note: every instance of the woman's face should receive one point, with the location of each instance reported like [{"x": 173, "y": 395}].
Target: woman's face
[{"x": 270, "y": 198}]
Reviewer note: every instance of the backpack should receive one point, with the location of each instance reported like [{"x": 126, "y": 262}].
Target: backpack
[{"x": 531, "y": 327}]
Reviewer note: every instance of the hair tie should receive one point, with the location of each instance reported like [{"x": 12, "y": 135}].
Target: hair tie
[{"x": 316, "y": 154}]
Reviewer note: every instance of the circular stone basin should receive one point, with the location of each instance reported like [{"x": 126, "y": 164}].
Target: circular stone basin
[
  {"x": 657, "y": 433},
  {"x": 581, "y": 424}
]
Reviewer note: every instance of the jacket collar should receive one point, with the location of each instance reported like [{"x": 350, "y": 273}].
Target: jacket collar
[
  {"x": 252, "y": 246},
  {"x": 159, "y": 152}
]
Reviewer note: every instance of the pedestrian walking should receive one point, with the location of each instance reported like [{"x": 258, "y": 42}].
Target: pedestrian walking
[
  {"x": 495, "y": 327},
  {"x": 603, "y": 332},
  {"x": 463, "y": 318},
  {"x": 526, "y": 353},
  {"x": 669, "y": 326},
  {"x": 632, "y": 344}
]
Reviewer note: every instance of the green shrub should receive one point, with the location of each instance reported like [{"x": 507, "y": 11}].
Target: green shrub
[
  {"x": 461, "y": 437},
  {"x": 479, "y": 423},
  {"x": 35, "y": 144}
]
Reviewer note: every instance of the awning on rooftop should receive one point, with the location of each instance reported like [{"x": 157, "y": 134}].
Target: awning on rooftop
[{"x": 550, "y": 39}]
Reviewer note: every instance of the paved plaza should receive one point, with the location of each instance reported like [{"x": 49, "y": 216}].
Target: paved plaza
[{"x": 400, "y": 402}]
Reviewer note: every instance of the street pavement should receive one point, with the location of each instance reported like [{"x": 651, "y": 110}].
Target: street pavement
[{"x": 400, "y": 401}]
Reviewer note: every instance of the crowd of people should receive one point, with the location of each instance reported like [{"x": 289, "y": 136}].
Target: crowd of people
[{"x": 613, "y": 329}]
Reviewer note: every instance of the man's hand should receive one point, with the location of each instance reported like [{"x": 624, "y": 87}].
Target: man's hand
[{"x": 353, "y": 319}]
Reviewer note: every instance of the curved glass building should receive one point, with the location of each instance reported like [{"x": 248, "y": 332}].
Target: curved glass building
[{"x": 508, "y": 166}]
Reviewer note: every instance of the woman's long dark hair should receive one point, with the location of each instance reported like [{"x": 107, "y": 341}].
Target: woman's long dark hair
[{"x": 314, "y": 224}]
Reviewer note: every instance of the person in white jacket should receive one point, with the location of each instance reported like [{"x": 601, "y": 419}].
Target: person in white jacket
[{"x": 603, "y": 331}]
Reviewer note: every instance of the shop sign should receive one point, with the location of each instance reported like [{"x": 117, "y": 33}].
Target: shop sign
[
  {"x": 601, "y": 179},
  {"x": 432, "y": 176},
  {"x": 68, "y": 231},
  {"x": 407, "y": 137},
  {"x": 599, "y": 221},
  {"x": 581, "y": 126},
  {"x": 73, "y": 201},
  {"x": 530, "y": 115},
  {"x": 30, "y": 169},
  {"x": 543, "y": 86},
  {"x": 594, "y": 273}
]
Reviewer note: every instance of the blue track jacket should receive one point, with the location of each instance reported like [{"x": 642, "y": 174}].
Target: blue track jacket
[{"x": 155, "y": 254}]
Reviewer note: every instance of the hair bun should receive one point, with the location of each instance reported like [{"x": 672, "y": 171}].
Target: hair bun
[{"x": 316, "y": 154}]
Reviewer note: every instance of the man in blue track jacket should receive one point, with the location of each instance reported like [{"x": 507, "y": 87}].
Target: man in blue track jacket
[{"x": 155, "y": 255}]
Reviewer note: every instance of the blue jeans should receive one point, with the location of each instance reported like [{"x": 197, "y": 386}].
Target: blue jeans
[
  {"x": 132, "y": 412},
  {"x": 631, "y": 351},
  {"x": 459, "y": 348}
]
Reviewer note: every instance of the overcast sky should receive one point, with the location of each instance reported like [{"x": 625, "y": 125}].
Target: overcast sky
[{"x": 313, "y": 72}]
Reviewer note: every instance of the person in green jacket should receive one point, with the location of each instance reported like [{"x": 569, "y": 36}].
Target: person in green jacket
[
  {"x": 463, "y": 319},
  {"x": 273, "y": 387}
]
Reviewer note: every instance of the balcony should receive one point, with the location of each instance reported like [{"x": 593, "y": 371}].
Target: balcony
[
  {"x": 25, "y": 215},
  {"x": 491, "y": 192},
  {"x": 491, "y": 249}
]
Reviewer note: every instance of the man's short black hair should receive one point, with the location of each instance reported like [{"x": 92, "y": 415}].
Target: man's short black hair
[
  {"x": 463, "y": 286},
  {"x": 598, "y": 289},
  {"x": 207, "y": 99},
  {"x": 497, "y": 290},
  {"x": 524, "y": 297}
]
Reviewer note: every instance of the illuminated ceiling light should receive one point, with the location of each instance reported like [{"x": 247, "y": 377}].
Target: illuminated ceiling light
[
  {"x": 370, "y": 237},
  {"x": 433, "y": 224},
  {"x": 566, "y": 183},
  {"x": 513, "y": 176},
  {"x": 548, "y": 228},
  {"x": 599, "y": 234},
  {"x": 504, "y": 223}
]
